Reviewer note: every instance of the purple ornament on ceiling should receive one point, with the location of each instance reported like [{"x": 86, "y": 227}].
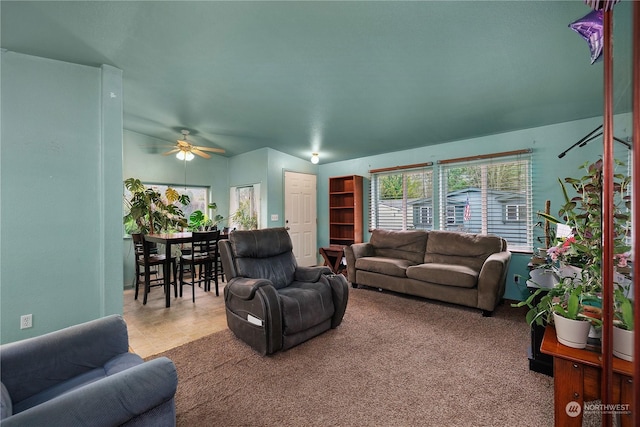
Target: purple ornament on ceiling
[
  {"x": 601, "y": 4},
  {"x": 591, "y": 29}
]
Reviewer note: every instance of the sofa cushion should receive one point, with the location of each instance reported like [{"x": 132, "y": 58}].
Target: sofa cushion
[
  {"x": 444, "y": 274},
  {"x": 117, "y": 364},
  {"x": 6, "y": 409},
  {"x": 389, "y": 266},
  {"x": 315, "y": 297},
  {"x": 409, "y": 245},
  {"x": 466, "y": 249}
]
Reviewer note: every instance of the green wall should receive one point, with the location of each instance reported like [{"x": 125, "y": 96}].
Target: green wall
[
  {"x": 545, "y": 141},
  {"x": 61, "y": 210},
  {"x": 62, "y": 167}
]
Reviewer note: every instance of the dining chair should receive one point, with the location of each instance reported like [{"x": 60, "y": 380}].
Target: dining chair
[
  {"x": 204, "y": 254},
  {"x": 148, "y": 263},
  {"x": 138, "y": 251}
]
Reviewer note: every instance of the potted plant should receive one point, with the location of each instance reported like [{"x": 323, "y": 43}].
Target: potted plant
[
  {"x": 623, "y": 324},
  {"x": 198, "y": 221},
  {"x": 148, "y": 211},
  {"x": 245, "y": 219},
  {"x": 565, "y": 306},
  {"x": 577, "y": 259}
]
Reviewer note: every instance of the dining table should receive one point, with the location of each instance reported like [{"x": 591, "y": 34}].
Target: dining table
[{"x": 168, "y": 239}]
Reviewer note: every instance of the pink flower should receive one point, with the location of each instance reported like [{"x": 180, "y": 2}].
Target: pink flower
[
  {"x": 569, "y": 241},
  {"x": 623, "y": 259},
  {"x": 553, "y": 253}
]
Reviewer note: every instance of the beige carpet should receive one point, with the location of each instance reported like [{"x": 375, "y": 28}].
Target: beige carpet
[{"x": 394, "y": 361}]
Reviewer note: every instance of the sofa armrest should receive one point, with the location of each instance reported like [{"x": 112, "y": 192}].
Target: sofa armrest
[
  {"x": 245, "y": 288},
  {"x": 111, "y": 401},
  {"x": 35, "y": 364},
  {"x": 362, "y": 249},
  {"x": 311, "y": 274},
  {"x": 352, "y": 253},
  {"x": 491, "y": 282}
]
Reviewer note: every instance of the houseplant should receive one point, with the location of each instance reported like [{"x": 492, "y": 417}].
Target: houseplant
[
  {"x": 578, "y": 257},
  {"x": 623, "y": 324},
  {"x": 244, "y": 217},
  {"x": 199, "y": 221},
  {"x": 148, "y": 211}
]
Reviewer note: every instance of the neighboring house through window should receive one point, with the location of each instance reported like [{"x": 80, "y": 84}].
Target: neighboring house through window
[
  {"x": 488, "y": 195},
  {"x": 402, "y": 199}
]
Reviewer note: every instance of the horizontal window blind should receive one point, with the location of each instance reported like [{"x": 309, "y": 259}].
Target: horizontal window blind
[
  {"x": 489, "y": 196},
  {"x": 402, "y": 199}
]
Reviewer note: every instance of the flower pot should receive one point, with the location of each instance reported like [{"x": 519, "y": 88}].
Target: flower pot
[
  {"x": 623, "y": 343},
  {"x": 543, "y": 277},
  {"x": 570, "y": 271},
  {"x": 572, "y": 333}
]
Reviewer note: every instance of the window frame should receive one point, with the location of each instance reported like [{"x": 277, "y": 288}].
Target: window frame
[
  {"x": 518, "y": 208},
  {"x": 406, "y": 209},
  {"x": 487, "y": 215}
]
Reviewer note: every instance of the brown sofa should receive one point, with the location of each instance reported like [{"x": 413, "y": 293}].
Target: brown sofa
[{"x": 460, "y": 268}]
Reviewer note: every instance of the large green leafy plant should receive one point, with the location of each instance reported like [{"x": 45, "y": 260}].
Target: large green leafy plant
[
  {"x": 199, "y": 221},
  {"x": 149, "y": 211}
]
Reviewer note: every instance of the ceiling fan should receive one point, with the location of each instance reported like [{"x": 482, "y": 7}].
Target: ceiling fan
[{"x": 185, "y": 150}]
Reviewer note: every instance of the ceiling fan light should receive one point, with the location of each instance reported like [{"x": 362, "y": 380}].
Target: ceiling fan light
[
  {"x": 315, "y": 158},
  {"x": 185, "y": 155}
]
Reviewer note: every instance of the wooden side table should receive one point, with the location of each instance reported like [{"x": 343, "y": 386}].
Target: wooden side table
[
  {"x": 332, "y": 256},
  {"x": 576, "y": 379}
]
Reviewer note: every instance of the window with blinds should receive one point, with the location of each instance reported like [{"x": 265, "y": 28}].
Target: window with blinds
[
  {"x": 489, "y": 196},
  {"x": 402, "y": 199}
]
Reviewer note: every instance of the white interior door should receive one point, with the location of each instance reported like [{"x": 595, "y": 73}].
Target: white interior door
[{"x": 300, "y": 215}]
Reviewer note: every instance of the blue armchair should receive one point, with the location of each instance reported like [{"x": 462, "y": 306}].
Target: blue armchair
[{"x": 84, "y": 375}]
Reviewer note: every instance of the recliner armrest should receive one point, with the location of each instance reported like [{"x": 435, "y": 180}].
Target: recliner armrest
[
  {"x": 111, "y": 401},
  {"x": 245, "y": 288},
  {"x": 311, "y": 274}
]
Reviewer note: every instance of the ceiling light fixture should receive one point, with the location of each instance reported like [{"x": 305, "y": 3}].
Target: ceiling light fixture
[
  {"x": 185, "y": 155},
  {"x": 315, "y": 158}
]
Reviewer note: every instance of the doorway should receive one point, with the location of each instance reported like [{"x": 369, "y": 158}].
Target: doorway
[{"x": 300, "y": 215}]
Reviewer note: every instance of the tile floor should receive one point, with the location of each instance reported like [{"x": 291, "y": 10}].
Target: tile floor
[{"x": 153, "y": 328}]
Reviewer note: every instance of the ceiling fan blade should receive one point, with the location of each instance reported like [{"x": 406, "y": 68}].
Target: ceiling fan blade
[
  {"x": 175, "y": 150},
  {"x": 210, "y": 149},
  {"x": 200, "y": 153}
]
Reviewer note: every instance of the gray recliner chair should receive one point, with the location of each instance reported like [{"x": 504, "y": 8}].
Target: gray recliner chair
[
  {"x": 273, "y": 304},
  {"x": 84, "y": 375}
]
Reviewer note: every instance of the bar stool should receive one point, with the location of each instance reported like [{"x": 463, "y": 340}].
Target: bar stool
[
  {"x": 204, "y": 253},
  {"x": 150, "y": 261}
]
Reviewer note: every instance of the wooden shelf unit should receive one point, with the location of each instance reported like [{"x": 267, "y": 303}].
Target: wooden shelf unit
[{"x": 345, "y": 210}]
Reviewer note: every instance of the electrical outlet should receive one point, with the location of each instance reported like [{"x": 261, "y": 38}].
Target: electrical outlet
[{"x": 26, "y": 321}]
